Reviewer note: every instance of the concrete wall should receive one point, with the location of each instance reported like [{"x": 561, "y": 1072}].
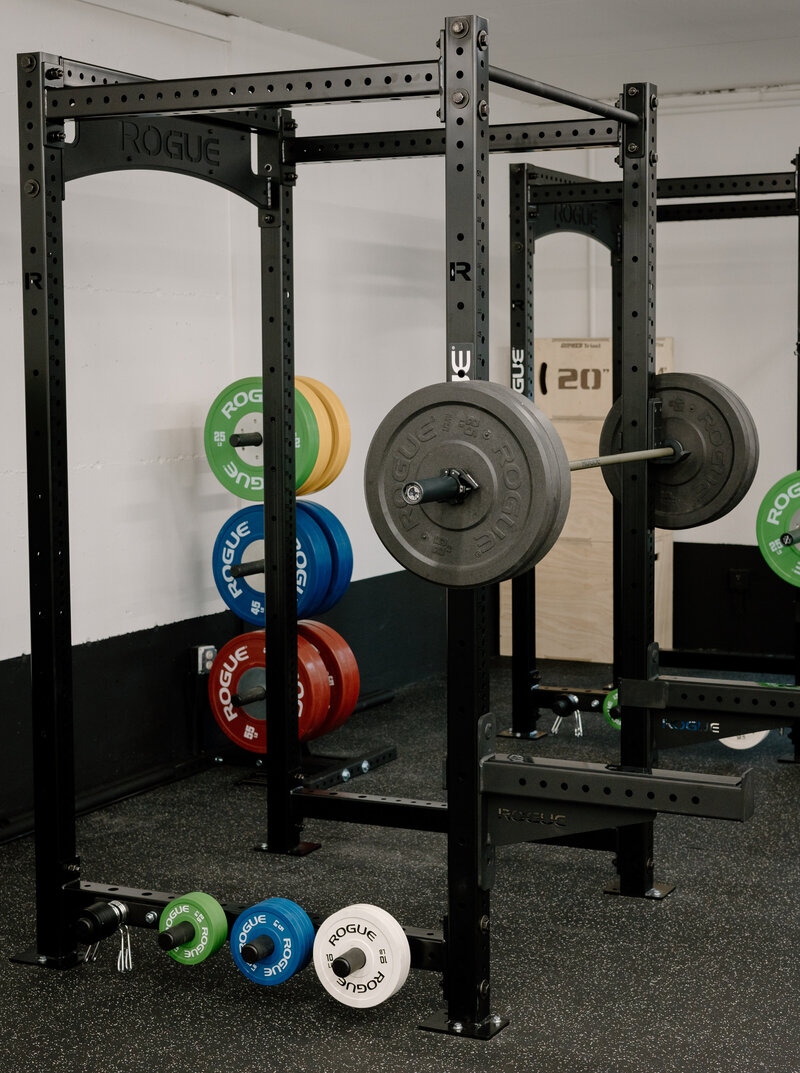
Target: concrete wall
[{"x": 162, "y": 283}]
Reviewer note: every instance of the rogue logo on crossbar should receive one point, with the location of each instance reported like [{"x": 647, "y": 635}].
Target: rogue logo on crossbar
[
  {"x": 176, "y": 144},
  {"x": 520, "y": 815}
]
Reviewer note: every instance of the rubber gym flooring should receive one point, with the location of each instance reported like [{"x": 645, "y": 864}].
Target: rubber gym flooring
[{"x": 704, "y": 981}]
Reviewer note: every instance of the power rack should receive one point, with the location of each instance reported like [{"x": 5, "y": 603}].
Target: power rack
[
  {"x": 202, "y": 127},
  {"x": 544, "y": 202}
]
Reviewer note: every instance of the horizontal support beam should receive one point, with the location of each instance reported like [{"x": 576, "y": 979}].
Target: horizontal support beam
[
  {"x": 772, "y": 182},
  {"x": 683, "y": 793},
  {"x": 727, "y": 210},
  {"x": 711, "y": 696},
  {"x": 394, "y": 144},
  {"x": 231, "y": 93},
  {"x": 404, "y": 812},
  {"x": 427, "y": 946}
]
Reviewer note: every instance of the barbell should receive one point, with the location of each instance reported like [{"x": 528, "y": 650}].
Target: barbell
[{"x": 468, "y": 483}]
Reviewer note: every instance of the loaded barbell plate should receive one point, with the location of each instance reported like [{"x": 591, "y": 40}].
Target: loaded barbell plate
[
  {"x": 341, "y": 429},
  {"x": 341, "y": 553},
  {"x": 241, "y": 539},
  {"x": 502, "y": 527},
  {"x": 240, "y": 665},
  {"x": 342, "y": 670},
  {"x": 208, "y": 919},
  {"x": 715, "y": 427},
  {"x": 239, "y": 408},
  {"x": 312, "y": 483},
  {"x": 291, "y": 932},
  {"x": 778, "y": 514},
  {"x": 374, "y": 933},
  {"x": 558, "y": 462}
]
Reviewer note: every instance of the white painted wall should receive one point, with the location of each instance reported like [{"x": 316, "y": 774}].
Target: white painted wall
[{"x": 162, "y": 304}]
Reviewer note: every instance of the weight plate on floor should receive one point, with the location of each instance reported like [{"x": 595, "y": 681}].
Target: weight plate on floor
[
  {"x": 711, "y": 423},
  {"x": 239, "y": 408},
  {"x": 208, "y": 919},
  {"x": 778, "y": 514},
  {"x": 341, "y": 429},
  {"x": 281, "y": 925},
  {"x": 368, "y": 945},
  {"x": 239, "y": 666},
  {"x": 745, "y": 741},
  {"x": 342, "y": 672},
  {"x": 500, "y": 528},
  {"x": 611, "y": 709},
  {"x": 312, "y": 483},
  {"x": 341, "y": 553}
]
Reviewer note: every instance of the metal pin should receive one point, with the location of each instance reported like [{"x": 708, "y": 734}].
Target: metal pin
[{"x": 124, "y": 957}]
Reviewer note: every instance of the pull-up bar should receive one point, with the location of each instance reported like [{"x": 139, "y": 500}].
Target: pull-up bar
[{"x": 563, "y": 96}]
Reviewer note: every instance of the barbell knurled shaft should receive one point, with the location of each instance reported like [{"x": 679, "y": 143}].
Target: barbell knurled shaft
[{"x": 624, "y": 456}]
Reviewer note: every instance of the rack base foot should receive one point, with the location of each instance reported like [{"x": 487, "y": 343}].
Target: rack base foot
[
  {"x": 440, "y": 1022},
  {"x": 657, "y": 892},
  {"x": 522, "y": 735},
  {"x": 31, "y": 956}
]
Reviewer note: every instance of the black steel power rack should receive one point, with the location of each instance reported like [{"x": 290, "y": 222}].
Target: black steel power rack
[
  {"x": 544, "y": 202},
  {"x": 202, "y": 127}
]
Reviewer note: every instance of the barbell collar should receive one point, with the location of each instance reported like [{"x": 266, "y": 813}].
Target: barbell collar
[
  {"x": 451, "y": 486},
  {"x": 672, "y": 452},
  {"x": 791, "y": 537},
  {"x": 350, "y": 961},
  {"x": 178, "y": 935},
  {"x": 254, "y": 566},
  {"x": 245, "y": 439}
]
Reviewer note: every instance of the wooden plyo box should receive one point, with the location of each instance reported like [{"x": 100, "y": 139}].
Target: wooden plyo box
[{"x": 574, "y": 583}]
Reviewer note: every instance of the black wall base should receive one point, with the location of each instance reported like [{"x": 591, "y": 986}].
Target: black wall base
[
  {"x": 726, "y": 600},
  {"x": 141, "y": 710}
]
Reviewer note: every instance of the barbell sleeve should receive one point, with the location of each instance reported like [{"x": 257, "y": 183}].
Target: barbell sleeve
[
  {"x": 451, "y": 486},
  {"x": 431, "y": 490},
  {"x": 792, "y": 537}
]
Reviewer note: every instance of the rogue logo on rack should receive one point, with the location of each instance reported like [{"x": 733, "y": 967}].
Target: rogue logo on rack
[
  {"x": 175, "y": 143},
  {"x": 585, "y": 215},
  {"x": 697, "y": 726},
  {"x": 519, "y": 815}
]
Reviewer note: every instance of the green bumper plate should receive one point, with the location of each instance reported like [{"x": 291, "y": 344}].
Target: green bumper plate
[
  {"x": 239, "y": 409},
  {"x": 778, "y": 514}
]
